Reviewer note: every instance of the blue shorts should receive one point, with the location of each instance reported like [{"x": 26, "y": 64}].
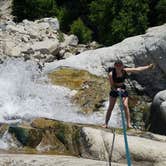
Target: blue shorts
[{"x": 115, "y": 93}]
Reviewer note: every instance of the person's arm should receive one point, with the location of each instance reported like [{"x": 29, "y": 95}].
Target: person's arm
[
  {"x": 138, "y": 69},
  {"x": 111, "y": 80},
  {"x": 112, "y": 83}
]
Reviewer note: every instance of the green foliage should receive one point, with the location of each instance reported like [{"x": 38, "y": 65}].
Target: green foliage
[
  {"x": 83, "y": 33},
  {"x": 69, "y": 11},
  {"x": 33, "y": 9},
  {"x": 157, "y": 14},
  {"x": 60, "y": 36},
  {"x": 161, "y": 11},
  {"x": 152, "y": 16},
  {"x": 110, "y": 21},
  {"x": 100, "y": 13},
  {"x": 64, "y": 19},
  {"x": 117, "y": 20}
]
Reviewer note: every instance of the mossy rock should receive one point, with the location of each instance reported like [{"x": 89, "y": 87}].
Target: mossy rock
[
  {"x": 92, "y": 90},
  {"x": 62, "y": 136},
  {"x": 50, "y": 142},
  {"x": 26, "y": 150},
  {"x": 3, "y": 129},
  {"x": 44, "y": 123},
  {"x": 27, "y": 136}
]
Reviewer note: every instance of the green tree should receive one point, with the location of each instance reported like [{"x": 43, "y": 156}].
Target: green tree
[
  {"x": 83, "y": 33},
  {"x": 101, "y": 13},
  {"x": 115, "y": 20},
  {"x": 64, "y": 18},
  {"x": 152, "y": 16},
  {"x": 70, "y": 10},
  {"x": 110, "y": 20},
  {"x": 157, "y": 13},
  {"x": 33, "y": 9},
  {"x": 161, "y": 12}
]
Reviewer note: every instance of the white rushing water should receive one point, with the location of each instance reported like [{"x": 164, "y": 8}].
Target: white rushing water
[{"x": 26, "y": 93}]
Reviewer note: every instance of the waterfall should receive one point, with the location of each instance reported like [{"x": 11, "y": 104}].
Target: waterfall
[{"x": 26, "y": 93}]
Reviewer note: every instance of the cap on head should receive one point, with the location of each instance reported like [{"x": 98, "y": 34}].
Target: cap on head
[{"x": 118, "y": 62}]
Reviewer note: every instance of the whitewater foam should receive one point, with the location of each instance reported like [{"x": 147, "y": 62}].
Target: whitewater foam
[{"x": 26, "y": 93}]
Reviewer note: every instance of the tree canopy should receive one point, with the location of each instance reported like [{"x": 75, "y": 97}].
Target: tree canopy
[{"x": 106, "y": 21}]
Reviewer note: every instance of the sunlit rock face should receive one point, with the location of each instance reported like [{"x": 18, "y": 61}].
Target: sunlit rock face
[
  {"x": 39, "y": 40},
  {"x": 134, "y": 51},
  {"x": 5, "y": 10}
]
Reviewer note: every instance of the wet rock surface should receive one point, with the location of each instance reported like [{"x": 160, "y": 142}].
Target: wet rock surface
[{"x": 87, "y": 141}]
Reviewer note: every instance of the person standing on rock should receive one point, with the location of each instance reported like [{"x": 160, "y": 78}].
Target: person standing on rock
[{"x": 117, "y": 76}]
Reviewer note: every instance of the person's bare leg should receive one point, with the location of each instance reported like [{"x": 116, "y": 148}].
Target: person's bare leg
[
  {"x": 112, "y": 101},
  {"x": 127, "y": 112}
]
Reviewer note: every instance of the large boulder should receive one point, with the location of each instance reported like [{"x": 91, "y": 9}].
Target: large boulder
[
  {"x": 158, "y": 113},
  {"x": 89, "y": 141},
  {"x": 53, "y": 23},
  {"x": 97, "y": 144},
  {"x": 134, "y": 51},
  {"x": 91, "y": 91},
  {"x": 39, "y": 40}
]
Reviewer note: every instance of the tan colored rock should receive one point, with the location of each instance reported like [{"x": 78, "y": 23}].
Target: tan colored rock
[
  {"x": 49, "y": 160},
  {"x": 55, "y": 137},
  {"x": 50, "y": 45},
  {"x": 11, "y": 49},
  {"x": 97, "y": 144}
]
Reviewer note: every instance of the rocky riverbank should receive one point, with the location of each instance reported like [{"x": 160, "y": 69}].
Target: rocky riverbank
[
  {"x": 70, "y": 90},
  {"x": 44, "y": 136},
  {"x": 49, "y": 160},
  {"x": 40, "y": 40}
]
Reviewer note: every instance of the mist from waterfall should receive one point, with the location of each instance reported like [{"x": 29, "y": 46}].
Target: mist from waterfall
[{"x": 26, "y": 93}]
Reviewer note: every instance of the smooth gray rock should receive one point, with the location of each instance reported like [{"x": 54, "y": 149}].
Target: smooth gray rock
[
  {"x": 96, "y": 144},
  {"x": 134, "y": 51},
  {"x": 158, "y": 113},
  {"x": 49, "y": 160}
]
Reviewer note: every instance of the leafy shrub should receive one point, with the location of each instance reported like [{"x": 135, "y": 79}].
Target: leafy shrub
[
  {"x": 83, "y": 33},
  {"x": 115, "y": 20},
  {"x": 60, "y": 36},
  {"x": 110, "y": 21},
  {"x": 161, "y": 11},
  {"x": 33, "y": 9}
]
